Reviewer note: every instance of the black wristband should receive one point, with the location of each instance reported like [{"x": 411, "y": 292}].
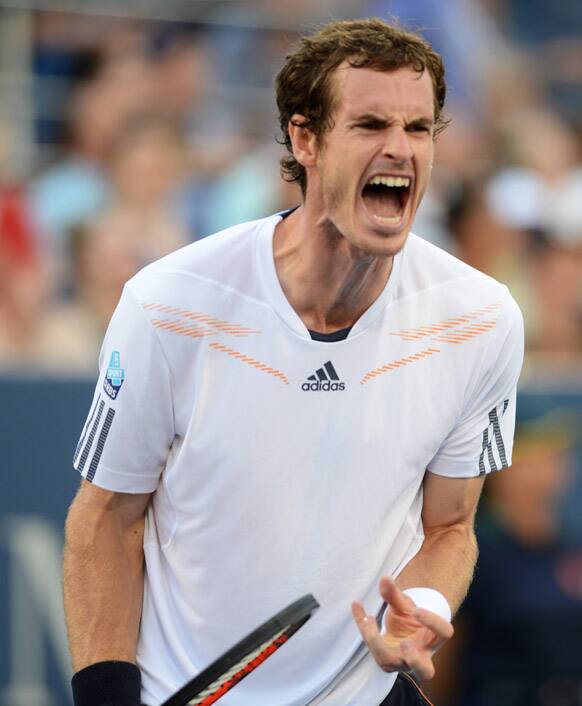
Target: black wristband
[{"x": 107, "y": 684}]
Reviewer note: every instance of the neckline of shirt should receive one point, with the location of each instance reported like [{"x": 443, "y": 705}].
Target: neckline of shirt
[
  {"x": 276, "y": 296},
  {"x": 332, "y": 337}
]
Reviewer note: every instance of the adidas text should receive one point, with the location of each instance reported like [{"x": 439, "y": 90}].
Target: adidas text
[{"x": 325, "y": 386}]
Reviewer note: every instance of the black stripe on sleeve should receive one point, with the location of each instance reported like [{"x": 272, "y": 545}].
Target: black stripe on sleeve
[
  {"x": 482, "y": 469},
  {"x": 487, "y": 446},
  {"x": 498, "y": 437},
  {"x": 91, "y": 438},
  {"x": 86, "y": 428},
  {"x": 100, "y": 444},
  {"x": 490, "y": 455}
]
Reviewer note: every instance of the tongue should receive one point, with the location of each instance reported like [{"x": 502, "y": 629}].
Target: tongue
[{"x": 383, "y": 202}]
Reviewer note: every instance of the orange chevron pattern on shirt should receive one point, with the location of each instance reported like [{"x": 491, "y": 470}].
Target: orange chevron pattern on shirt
[
  {"x": 250, "y": 361},
  {"x": 466, "y": 333},
  {"x": 192, "y": 331},
  {"x": 398, "y": 364},
  {"x": 219, "y": 324},
  {"x": 209, "y": 326},
  {"x": 448, "y": 331},
  {"x": 431, "y": 330}
]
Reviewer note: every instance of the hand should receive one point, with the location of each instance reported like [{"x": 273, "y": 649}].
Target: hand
[{"x": 412, "y": 636}]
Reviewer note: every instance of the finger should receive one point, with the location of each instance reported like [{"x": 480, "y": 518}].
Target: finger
[
  {"x": 442, "y": 629},
  {"x": 388, "y": 656},
  {"x": 366, "y": 623},
  {"x": 417, "y": 660},
  {"x": 394, "y": 596}
]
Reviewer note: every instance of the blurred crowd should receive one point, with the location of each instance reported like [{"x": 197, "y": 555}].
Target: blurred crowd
[{"x": 150, "y": 134}]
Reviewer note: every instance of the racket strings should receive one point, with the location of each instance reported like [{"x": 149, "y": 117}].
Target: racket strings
[{"x": 240, "y": 669}]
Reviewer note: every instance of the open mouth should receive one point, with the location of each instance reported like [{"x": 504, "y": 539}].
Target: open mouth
[{"x": 385, "y": 198}]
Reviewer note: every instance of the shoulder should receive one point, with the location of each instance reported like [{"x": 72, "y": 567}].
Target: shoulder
[
  {"x": 430, "y": 271},
  {"x": 224, "y": 260},
  {"x": 427, "y": 265}
]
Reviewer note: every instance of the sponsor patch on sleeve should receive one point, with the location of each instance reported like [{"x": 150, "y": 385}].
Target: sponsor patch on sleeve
[{"x": 114, "y": 376}]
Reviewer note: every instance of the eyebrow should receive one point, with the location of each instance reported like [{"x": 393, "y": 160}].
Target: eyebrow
[
  {"x": 373, "y": 117},
  {"x": 424, "y": 122}
]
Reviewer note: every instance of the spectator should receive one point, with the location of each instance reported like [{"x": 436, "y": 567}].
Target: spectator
[
  {"x": 487, "y": 243},
  {"x": 540, "y": 182},
  {"x": 555, "y": 327},
  {"x": 147, "y": 167},
  {"x": 63, "y": 337},
  {"x": 77, "y": 186},
  {"x": 251, "y": 187},
  {"x": 187, "y": 90},
  {"x": 23, "y": 280}
]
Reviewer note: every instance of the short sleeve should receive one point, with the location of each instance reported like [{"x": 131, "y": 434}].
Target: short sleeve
[
  {"x": 482, "y": 439},
  {"x": 130, "y": 427}
]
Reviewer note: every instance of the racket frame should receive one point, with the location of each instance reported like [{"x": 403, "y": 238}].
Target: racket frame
[{"x": 273, "y": 632}]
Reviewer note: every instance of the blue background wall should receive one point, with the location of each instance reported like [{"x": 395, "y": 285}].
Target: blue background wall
[{"x": 40, "y": 422}]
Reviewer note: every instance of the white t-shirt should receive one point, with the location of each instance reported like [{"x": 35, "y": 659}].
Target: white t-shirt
[{"x": 281, "y": 465}]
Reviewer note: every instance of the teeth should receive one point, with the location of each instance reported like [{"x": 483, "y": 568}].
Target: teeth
[
  {"x": 389, "y": 181},
  {"x": 388, "y": 220}
]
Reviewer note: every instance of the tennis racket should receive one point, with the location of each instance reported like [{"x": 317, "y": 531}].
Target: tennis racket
[{"x": 248, "y": 654}]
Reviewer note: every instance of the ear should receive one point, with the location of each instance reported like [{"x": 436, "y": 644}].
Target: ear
[{"x": 303, "y": 140}]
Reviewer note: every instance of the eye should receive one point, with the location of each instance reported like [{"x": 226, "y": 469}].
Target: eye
[
  {"x": 420, "y": 127},
  {"x": 371, "y": 125}
]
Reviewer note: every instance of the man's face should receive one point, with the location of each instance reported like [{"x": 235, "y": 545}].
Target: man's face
[{"x": 373, "y": 166}]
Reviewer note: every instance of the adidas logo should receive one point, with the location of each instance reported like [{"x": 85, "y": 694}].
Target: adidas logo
[{"x": 324, "y": 379}]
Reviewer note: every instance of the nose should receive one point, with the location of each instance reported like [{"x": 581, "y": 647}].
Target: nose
[{"x": 397, "y": 145}]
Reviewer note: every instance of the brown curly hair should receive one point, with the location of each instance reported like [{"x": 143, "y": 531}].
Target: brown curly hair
[{"x": 304, "y": 83}]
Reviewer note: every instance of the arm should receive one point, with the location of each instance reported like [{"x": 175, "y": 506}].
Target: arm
[
  {"x": 103, "y": 574},
  {"x": 445, "y": 562},
  {"x": 448, "y": 554},
  {"x": 123, "y": 448}
]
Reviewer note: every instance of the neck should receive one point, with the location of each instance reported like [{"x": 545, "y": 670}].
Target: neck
[{"x": 328, "y": 282}]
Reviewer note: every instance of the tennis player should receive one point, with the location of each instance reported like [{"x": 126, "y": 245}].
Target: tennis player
[{"x": 305, "y": 403}]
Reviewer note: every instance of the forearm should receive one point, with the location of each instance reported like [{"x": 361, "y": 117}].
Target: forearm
[
  {"x": 446, "y": 562},
  {"x": 103, "y": 586}
]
